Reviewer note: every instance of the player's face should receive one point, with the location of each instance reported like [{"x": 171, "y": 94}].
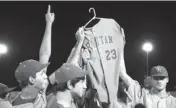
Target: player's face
[
  {"x": 80, "y": 88},
  {"x": 160, "y": 82},
  {"x": 41, "y": 80}
]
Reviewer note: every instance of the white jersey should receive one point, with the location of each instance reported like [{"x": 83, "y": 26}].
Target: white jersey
[
  {"x": 5, "y": 104},
  {"x": 148, "y": 98},
  {"x": 106, "y": 39},
  {"x": 39, "y": 101},
  {"x": 118, "y": 104}
]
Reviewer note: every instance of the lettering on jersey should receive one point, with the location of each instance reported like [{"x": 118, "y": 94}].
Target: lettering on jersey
[
  {"x": 101, "y": 40},
  {"x": 111, "y": 54}
]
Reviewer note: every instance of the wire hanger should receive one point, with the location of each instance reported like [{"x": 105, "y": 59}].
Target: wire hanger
[{"x": 94, "y": 17}]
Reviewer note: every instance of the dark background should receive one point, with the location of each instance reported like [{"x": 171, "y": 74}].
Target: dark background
[{"x": 22, "y": 25}]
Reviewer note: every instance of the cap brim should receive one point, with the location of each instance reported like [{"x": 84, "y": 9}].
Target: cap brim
[
  {"x": 45, "y": 65},
  {"x": 83, "y": 73},
  {"x": 160, "y": 75},
  {"x": 63, "y": 79},
  {"x": 11, "y": 89},
  {"x": 69, "y": 72},
  {"x": 77, "y": 76}
]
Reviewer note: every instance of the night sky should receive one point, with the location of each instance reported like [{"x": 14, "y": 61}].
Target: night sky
[{"x": 22, "y": 26}]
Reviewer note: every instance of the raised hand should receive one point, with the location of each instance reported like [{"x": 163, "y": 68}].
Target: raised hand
[
  {"x": 49, "y": 16},
  {"x": 80, "y": 34},
  {"x": 85, "y": 55}
]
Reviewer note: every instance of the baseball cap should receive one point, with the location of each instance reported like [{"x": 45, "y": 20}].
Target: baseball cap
[
  {"x": 5, "y": 89},
  {"x": 68, "y": 72},
  {"x": 159, "y": 71},
  {"x": 28, "y": 68}
]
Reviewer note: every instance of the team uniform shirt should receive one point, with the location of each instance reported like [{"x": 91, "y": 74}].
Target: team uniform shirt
[
  {"x": 52, "y": 103},
  {"x": 148, "y": 98},
  {"x": 5, "y": 104},
  {"x": 38, "y": 102},
  {"x": 106, "y": 39},
  {"x": 90, "y": 99},
  {"x": 118, "y": 104}
]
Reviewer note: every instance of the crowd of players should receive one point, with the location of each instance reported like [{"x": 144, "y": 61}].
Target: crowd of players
[{"x": 70, "y": 86}]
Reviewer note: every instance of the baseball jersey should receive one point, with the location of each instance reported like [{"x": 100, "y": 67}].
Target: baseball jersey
[
  {"x": 52, "y": 103},
  {"x": 106, "y": 40},
  {"x": 118, "y": 104},
  {"x": 148, "y": 98},
  {"x": 5, "y": 104},
  {"x": 38, "y": 102}
]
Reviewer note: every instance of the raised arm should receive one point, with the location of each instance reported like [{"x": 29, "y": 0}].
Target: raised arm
[
  {"x": 45, "y": 48},
  {"x": 134, "y": 91},
  {"x": 76, "y": 51},
  {"x": 123, "y": 74}
]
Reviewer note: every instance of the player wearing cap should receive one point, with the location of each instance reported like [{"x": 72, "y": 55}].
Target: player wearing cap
[
  {"x": 69, "y": 79},
  {"x": 31, "y": 74},
  {"x": 156, "y": 97},
  {"x": 70, "y": 88},
  {"x": 4, "y": 93}
]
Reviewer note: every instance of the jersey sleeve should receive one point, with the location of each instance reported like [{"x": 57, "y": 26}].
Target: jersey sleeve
[{"x": 136, "y": 92}]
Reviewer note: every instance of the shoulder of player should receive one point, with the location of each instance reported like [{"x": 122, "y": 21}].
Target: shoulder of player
[
  {"x": 5, "y": 104},
  {"x": 172, "y": 97},
  {"x": 172, "y": 100},
  {"x": 14, "y": 95},
  {"x": 51, "y": 101}
]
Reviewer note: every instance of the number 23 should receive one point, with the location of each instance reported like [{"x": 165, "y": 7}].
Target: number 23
[{"x": 111, "y": 54}]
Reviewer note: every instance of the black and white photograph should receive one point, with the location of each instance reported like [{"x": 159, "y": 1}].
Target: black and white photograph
[{"x": 87, "y": 54}]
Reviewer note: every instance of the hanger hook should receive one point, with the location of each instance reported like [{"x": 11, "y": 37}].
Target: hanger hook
[
  {"x": 93, "y": 16},
  {"x": 93, "y": 11}
]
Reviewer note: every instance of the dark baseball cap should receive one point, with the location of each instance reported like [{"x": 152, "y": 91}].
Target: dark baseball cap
[
  {"x": 159, "y": 71},
  {"x": 28, "y": 68},
  {"x": 5, "y": 89},
  {"x": 68, "y": 72}
]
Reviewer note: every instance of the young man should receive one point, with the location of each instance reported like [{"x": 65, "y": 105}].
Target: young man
[
  {"x": 70, "y": 79},
  {"x": 156, "y": 97},
  {"x": 31, "y": 74},
  {"x": 4, "y": 93},
  {"x": 70, "y": 88}
]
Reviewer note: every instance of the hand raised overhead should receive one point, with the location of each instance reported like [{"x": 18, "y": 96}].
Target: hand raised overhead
[
  {"x": 49, "y": 16},
  {"x": 80, "y": 34}
]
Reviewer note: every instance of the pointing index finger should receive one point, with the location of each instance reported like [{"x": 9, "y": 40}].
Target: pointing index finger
[{"x": 49, "y": 9}]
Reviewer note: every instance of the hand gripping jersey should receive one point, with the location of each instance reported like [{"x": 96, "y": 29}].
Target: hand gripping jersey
[{"x": 105, "y": 40}]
